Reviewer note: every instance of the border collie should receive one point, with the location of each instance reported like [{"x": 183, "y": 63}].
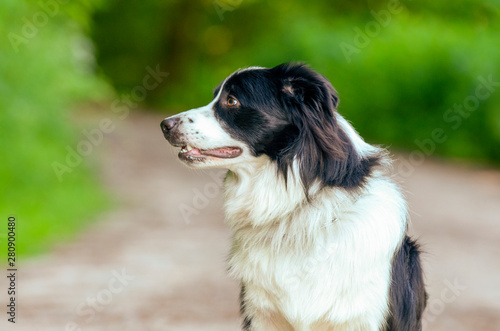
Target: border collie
[{"x": 319, "y": 228}]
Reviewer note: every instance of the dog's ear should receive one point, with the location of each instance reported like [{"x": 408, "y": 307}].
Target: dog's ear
[
  {"x": 322, "y": 149},
  {"x": 308, "y": 85}
]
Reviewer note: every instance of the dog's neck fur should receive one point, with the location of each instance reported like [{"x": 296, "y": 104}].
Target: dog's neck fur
[
  {"x": 257, "y": 213},
  {"x": 249, "y": 199}
]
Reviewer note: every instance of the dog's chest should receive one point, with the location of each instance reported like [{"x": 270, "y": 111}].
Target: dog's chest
[
  {"x": 277, "y": 281},
  {"x": 311, "y": 282},
  {"x": 281, "y": 271},
  {"x": 329, "y": 260}
]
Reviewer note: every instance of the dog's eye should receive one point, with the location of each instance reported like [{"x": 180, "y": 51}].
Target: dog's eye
[{"x": 232, "y": 102}]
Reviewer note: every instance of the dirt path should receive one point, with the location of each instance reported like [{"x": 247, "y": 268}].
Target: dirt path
[{"x": 145, "y": 266}]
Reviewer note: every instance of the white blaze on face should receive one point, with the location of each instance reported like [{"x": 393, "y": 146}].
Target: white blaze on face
[
  {"x": 202, "y": 130},
  {"x": 199, "y": 129}
]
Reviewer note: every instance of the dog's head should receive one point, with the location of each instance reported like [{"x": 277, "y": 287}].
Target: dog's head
[{"x": 286, "y": 114}]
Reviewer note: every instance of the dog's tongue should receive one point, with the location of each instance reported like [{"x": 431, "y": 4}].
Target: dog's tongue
[
  {"x": 194, "y": 152},
  {"x": 224, "y": 152}
]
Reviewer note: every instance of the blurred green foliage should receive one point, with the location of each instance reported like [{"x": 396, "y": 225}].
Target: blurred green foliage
[
  {"x": 46, "y": 67},
  {"x": 399, "y": 66}
]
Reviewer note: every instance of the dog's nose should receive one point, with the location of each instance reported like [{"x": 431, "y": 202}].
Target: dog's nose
[{"x": 169, "y": 123}]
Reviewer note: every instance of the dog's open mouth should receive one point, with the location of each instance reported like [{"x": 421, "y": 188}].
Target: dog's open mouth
[{"x": 190, "y": 153}]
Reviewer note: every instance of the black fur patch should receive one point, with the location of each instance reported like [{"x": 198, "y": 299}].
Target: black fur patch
[
  {"x": 246, "y": 320},
  {"x": 407, "y": 294},
  {"x": 288, "y": 113}
]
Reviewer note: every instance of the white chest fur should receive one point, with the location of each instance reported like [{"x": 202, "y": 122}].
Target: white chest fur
[{"x": 327, "y": 261}]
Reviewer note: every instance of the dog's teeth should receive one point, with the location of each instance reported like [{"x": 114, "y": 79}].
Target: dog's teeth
[{"x": 188, "y": 147}]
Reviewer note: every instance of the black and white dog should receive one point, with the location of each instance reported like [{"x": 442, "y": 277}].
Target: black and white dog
[{"x": 319, "y": 228}]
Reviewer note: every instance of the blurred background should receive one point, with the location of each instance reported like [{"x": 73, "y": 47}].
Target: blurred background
[{"x": 85, "y": 84}]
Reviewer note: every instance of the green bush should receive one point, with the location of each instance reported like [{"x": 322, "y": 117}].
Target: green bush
[
  {"x": 45, "y": 69},
  {"x": 398, "y": 91}
]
